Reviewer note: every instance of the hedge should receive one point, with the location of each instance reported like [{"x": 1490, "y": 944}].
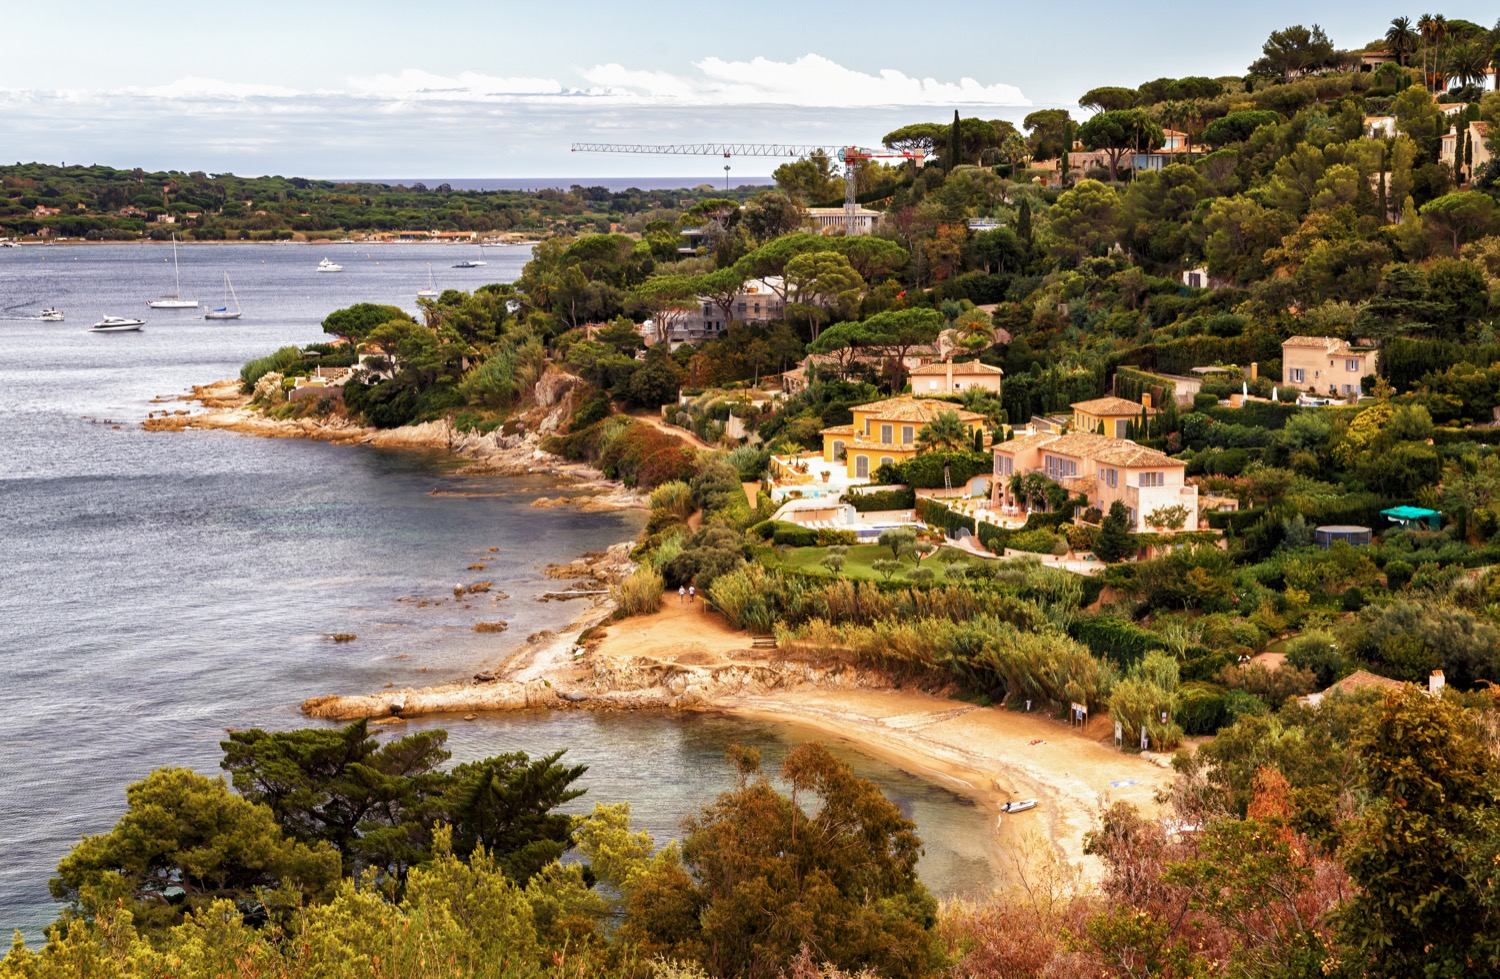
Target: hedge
[
  {"x": 1114, "y": 639},
  {"x": 1404, "y": 360},
  {"x": 1131, "y": 383},
  {"x": 896, "y": 499},
  {"x": 1236, "y": 520},
  {"x": 926, "y": 470},
  {"x": 1270, "y": 415},
  {"x": 794, "y": 535},
  {"x": 935, "y": 514}
]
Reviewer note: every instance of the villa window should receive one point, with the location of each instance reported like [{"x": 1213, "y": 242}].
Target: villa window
[
  {"x": 885, "y": 434},
  {"x": 1352, "y": 364},
  {"x": 907, "y": 434},
  {"x": 1058, "y": 468},
  {"x": 1004, "y": 466},
  {"x": 862, "y": 467},
  {"x": 1153, "y": 479},
  {"x": 1111, "y": 477},
  {"x": 1297, "y": 375},
  {"x": 887, "y": 461}
]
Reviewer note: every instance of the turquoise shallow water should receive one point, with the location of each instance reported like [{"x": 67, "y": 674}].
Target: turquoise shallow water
[{"x": 158, "y": 588}]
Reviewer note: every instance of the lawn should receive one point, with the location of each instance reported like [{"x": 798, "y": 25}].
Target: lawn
[{"x": 860, "y": 557}]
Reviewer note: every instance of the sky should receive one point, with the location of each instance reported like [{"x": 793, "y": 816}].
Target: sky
[{"x": 493, "y": 88}]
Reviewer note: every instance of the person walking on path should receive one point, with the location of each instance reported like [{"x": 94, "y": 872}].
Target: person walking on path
[
  {"x": 681, "y": 594},
  {"x": 692, "y": 592}
]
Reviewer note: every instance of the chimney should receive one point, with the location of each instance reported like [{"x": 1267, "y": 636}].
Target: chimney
[
  {"x": 949, "y": 363},
  {"x": 1254, "y": 370},
  {"x": 1145, "y": 399},
  {"x": 1435, "y": 683}
]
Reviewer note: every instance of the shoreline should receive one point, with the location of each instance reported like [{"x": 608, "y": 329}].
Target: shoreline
[
  {"x": 685, "y": 659},
  {"x": 222, "y": 407}
]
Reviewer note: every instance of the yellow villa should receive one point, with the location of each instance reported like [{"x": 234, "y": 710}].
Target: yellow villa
[
  {"x": 885, "y": 432},
  {"x": 1107, "y": 416}
]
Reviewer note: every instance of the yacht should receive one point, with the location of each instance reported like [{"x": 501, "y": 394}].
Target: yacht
[
  {"x": 472, "y": 263},
  {"x": 327, "y": 266},
  {"x": 431, "y": 292},
  {"x": 52, "y": 315},
  {"x": 117, "y": 324},
  {"x": 173, "y": 300},
  {"x": 224, "y": 312}
]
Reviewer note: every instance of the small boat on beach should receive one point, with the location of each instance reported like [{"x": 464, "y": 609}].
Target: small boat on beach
[
  {"x": 224, "y": 312},
  {"x": 173, "y": 300},
  {"x": 117, "y": 324},
  {"x": 1020, "y": 806},
  {"x": 52, "y": 315},
  {"x": 327, "y": 266}
]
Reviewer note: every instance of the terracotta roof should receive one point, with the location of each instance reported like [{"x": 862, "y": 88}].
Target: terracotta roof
[
  {"x": 838, "y": 430},
  {"x": 909, "y": 409},
  {"x": 1099, "y": 448},
  {"x": 1110, "y": 406},
  {"x": 1133, "y": 456},
  {"x": 1318, "y": 343},
  {"x": 1361, "y": 680},
  {"x": 970, "y": 369},
  {"x": 1023, "y": 443}
]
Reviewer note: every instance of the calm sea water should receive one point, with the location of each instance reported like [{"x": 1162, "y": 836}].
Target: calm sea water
[{"x": 157, "y": 588}]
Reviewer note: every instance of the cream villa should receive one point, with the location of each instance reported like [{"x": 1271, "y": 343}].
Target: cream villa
[
  {"x": 1320, "y": 364},
  {"x": 951, "y": 378},
  {"x": 1150, "y": 484},
  {"x": 885, "y": 432},
  {"x": 1107, "y": 416}
]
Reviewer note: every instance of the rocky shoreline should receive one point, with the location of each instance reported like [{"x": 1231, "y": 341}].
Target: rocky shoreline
[{"x": 223, "y": 407}]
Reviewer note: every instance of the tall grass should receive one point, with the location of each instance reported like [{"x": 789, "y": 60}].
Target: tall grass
[
  {"x": 640, "y": 593},
  {"x": 261, "y": 366}
]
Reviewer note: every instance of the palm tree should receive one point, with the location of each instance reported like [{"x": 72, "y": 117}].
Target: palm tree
[
  {"x": 1439, "y": 32},
  {"x": 945, "y": 433},
  {"x": 1424, "y": 25},
  {"x": 1468, "y": 63},
  {"x": 1401, "y": 39}
]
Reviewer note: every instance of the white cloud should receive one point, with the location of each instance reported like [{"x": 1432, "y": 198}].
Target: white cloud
[{"x": 810, "y": 80}]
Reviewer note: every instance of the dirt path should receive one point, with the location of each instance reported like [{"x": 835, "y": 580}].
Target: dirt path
[{"x": 679, "y": 433}]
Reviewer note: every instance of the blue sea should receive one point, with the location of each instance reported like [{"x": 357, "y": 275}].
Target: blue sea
[{"x": 159, "y": 588}]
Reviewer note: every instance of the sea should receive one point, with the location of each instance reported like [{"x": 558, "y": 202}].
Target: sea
[{"x": 157, "y": 589}]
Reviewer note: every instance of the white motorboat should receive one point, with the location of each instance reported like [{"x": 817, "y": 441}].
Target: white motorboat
[
  {"x": 52, "y": 315},
  {"x": 224, "y": 312},
  {"x": 173, "y": 300},
  {"x": 1020, "y": 806},
  {"x": 472, "y": 263},
  {"x": 327, "y": 266},
  {"x": 431, "y": 292},
  {"x": 117, "y": 324}
]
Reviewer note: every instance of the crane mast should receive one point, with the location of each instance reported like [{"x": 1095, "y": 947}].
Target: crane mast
[{"x": 851, "y": 155}]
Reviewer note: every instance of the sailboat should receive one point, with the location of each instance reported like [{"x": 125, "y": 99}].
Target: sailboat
[
  {"x": 472, "y": 263},
  {"x": 173, "y": 300},
  {"x": 224, "y": 312},
  {"x": 431, "y": 292}
]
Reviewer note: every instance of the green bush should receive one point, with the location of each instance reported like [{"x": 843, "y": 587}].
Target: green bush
[
  {"x": 261, "y": 366},
  {"x": 1039, "y": 541},
  {"x": 1398, "y": 574},
  {"x": 831, "y": 537},
  {"x": 1199, "y": 707},
  {"x": 1114, "y": 639},
  {"x": 792, "y": 535},
  {"x": 639, "y": 594},
  {"x": 896, "y": 499}
]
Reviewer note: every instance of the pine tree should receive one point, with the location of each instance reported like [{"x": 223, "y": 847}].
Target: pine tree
[
  {"x": 1067, "y": 148},
  {"x": 1023, "y": 221}
]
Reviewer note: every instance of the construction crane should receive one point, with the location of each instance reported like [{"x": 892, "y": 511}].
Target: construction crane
[{"x": 851, "y": 155}]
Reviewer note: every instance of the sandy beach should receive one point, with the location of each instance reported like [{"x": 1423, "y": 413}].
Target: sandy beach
[{"x": 685, "y": 657}]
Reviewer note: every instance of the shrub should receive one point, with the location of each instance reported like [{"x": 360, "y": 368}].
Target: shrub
[
  {"x": 640, "y": 593},
  {"x": 896, "y": 499},
  {"x": 1114, "y": 639},
  {"x": 261, "y": 366},
  {"x": 1199, "y": 708},
  {"x": 1398, "y": 574},
  {"x": 792, "y": 535},
  {"x": 831, "y": 537},
  {"x": 1034, "y": 541}
]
